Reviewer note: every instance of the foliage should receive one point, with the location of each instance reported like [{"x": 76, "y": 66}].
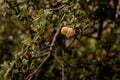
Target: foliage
[{"x": 33, "y": 48}]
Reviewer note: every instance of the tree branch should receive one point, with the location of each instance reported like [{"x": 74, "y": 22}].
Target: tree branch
[{"x": 30, "y": 76}]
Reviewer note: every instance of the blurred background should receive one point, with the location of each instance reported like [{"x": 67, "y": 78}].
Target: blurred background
[{"x": 28, "y": 27}]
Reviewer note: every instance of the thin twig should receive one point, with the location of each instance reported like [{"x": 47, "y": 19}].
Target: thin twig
[
  {"x": 43, "y": 54},
  {"x": 56, "y": 34},
  {"x": 29, "y": 77},
  {"x": 53, "y": 9},
  {"x": 51, "y": 47},
  {"x": 93, "y": 30}
]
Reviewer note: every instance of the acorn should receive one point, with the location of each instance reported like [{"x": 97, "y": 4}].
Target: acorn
[
  {"x": 64, "y": 30},
  {"x": 68, "y": 32}
]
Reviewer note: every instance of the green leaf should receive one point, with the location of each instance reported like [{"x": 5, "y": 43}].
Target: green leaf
[
  {"x": 27, "y": 39},
  {"x": 47, "y": 12},
  {"x": 43, "y": 22},
  {"x": 5, "y": 65},
  {"x": 35, "y": 28}
]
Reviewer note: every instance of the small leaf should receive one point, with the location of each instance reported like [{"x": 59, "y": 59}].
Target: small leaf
[
  {"x": 35, "y": 28},
  {"x": 27, "y": 39},
  {"x": 7, "y": 73},
  {"x": 47, "y": 12},
  {"x": 43, "y": 22}
]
